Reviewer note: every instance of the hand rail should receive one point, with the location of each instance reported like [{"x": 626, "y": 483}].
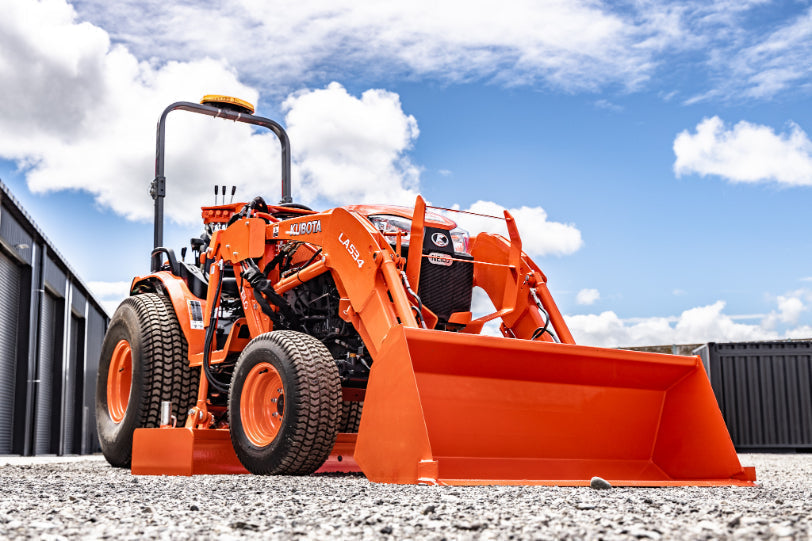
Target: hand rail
[{"x": 158, "y": 185}]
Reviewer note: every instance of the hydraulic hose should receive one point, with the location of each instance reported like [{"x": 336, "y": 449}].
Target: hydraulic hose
[
  {"x": 544, "y": 329},
  {"x": 212, "y": 379}
]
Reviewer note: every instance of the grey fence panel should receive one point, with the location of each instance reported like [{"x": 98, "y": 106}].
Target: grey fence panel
[{"x": 764, "y": 390}]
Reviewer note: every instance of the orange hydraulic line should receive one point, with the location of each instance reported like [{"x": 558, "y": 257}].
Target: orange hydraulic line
[
  {"x": 302, "y": 276},
  {"x": 556, "y": 318},
  {"x": 393, "y": 282},
  {"x": 200, "y": 412}
]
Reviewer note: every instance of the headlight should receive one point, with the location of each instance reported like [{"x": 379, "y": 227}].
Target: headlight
[
  {"x": 459, "y": 237},
  {"x": 390, "y": 225}
]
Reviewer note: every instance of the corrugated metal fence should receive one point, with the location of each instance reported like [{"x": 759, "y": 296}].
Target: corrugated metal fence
[
  {"x": 51, "y": 330},
  {"x": 764, "y": 390}
]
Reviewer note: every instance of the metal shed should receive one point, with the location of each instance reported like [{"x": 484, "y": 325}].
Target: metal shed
[
  {"x": 51, "y": 330},
  {"x": 764, "y": 390}
]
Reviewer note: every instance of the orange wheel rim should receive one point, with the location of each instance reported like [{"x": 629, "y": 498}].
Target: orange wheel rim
[
  {"x": 262, "y": 404},
  {"x": 119, "y": 380}
]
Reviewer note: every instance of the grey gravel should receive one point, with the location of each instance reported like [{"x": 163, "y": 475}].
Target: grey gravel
[{"x": 88, "y": 499}]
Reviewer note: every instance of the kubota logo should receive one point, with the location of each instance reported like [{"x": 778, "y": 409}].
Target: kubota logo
[
  {"x": 439, "y": 240},
  {"x": 305, "y": 228}
]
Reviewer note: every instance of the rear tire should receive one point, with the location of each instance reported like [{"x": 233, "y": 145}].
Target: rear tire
[
  {"x": 284, "y": 404},
  {"x": 350, "y": 417},
  {"x": 143, "y": 362}
]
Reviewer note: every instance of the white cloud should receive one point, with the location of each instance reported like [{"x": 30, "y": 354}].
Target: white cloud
[
  {"x": 567, "y": 44},
  {"x": 539, "y": 235},
  {"x": 570, "y": 45},
  {"x": 352, "y": 150},
  {"x": 82, "y": 117},
  {"x": 778, "y": 61},
  {"x": 745, "y": 153},
  {"x": 790, "y": 309},
  {"x": 608, "y": 106},
  {"x": 701, "y": 324},
  {"x": 587, "y": 296},
  {"x": 105, "y": 290},
  {"x": 110, "y": 294},
  {"x": 79, "y": 114},
  {"x": 697, "y": 325}
]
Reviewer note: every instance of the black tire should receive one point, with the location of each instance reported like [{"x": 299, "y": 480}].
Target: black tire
[
  {"x": 350, "y": 416},
  {"x": 160, "y": 371},
  {"x": 311, "y": 393}
]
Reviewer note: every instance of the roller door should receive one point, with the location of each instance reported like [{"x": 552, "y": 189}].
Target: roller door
[
  {"x": 73, "y": 388},
  {"x": 10, "y": 281},
  {"x": 50, "y": 344}
]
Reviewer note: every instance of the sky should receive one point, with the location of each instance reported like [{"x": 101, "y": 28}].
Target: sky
[{"x": 656, "y": 155}]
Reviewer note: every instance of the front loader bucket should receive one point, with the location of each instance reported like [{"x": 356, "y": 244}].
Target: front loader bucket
[{"x": 463, "y": 409}]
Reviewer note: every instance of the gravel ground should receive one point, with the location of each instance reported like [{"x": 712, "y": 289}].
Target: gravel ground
[{"x": 87, "y": 499}]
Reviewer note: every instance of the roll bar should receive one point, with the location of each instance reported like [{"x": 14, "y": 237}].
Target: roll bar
[{"x": 158, "y": 186}]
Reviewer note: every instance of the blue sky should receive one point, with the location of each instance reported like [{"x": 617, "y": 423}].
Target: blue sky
[{"x": 656, "y": 154}]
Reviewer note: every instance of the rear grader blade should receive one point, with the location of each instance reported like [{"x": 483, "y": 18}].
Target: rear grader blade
[
  {"x": 299, "y": 341},
  {"x": 456, "y": 409}
]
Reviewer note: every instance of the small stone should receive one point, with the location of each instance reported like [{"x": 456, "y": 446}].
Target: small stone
[
  {"x": 470, "y": 527},
  {"x": 782, "y": 530},
  {"x": 193, "y": 507},
  {"x": 430, "y": 509},
  {"x": 387, "y": 530},
  {"x": 599, "y": 484},
  {"x": 585, "y": 506},
  {"x": 641, "y": 533},
  {"x": 245, "y": 526}
]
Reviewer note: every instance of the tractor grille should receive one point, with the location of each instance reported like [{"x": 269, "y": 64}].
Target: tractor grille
[{"x": 445, "y": 290}]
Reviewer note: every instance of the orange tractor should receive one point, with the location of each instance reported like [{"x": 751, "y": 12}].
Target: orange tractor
[{"x": 301, "y": 341}]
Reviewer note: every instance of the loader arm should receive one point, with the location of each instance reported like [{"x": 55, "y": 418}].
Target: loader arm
[{"x": 362, "y": 264}]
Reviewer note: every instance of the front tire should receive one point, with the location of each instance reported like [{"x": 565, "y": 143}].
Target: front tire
[
  {"x": 143, "y": 362},
  {"x": 284, "y": 404}
]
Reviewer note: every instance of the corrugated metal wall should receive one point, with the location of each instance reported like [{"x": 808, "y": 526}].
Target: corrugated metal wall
[
  {"x": 764, "y": 390},
  {"x": 51, "y": 331},
  {"x": 10, "y": 278}
]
